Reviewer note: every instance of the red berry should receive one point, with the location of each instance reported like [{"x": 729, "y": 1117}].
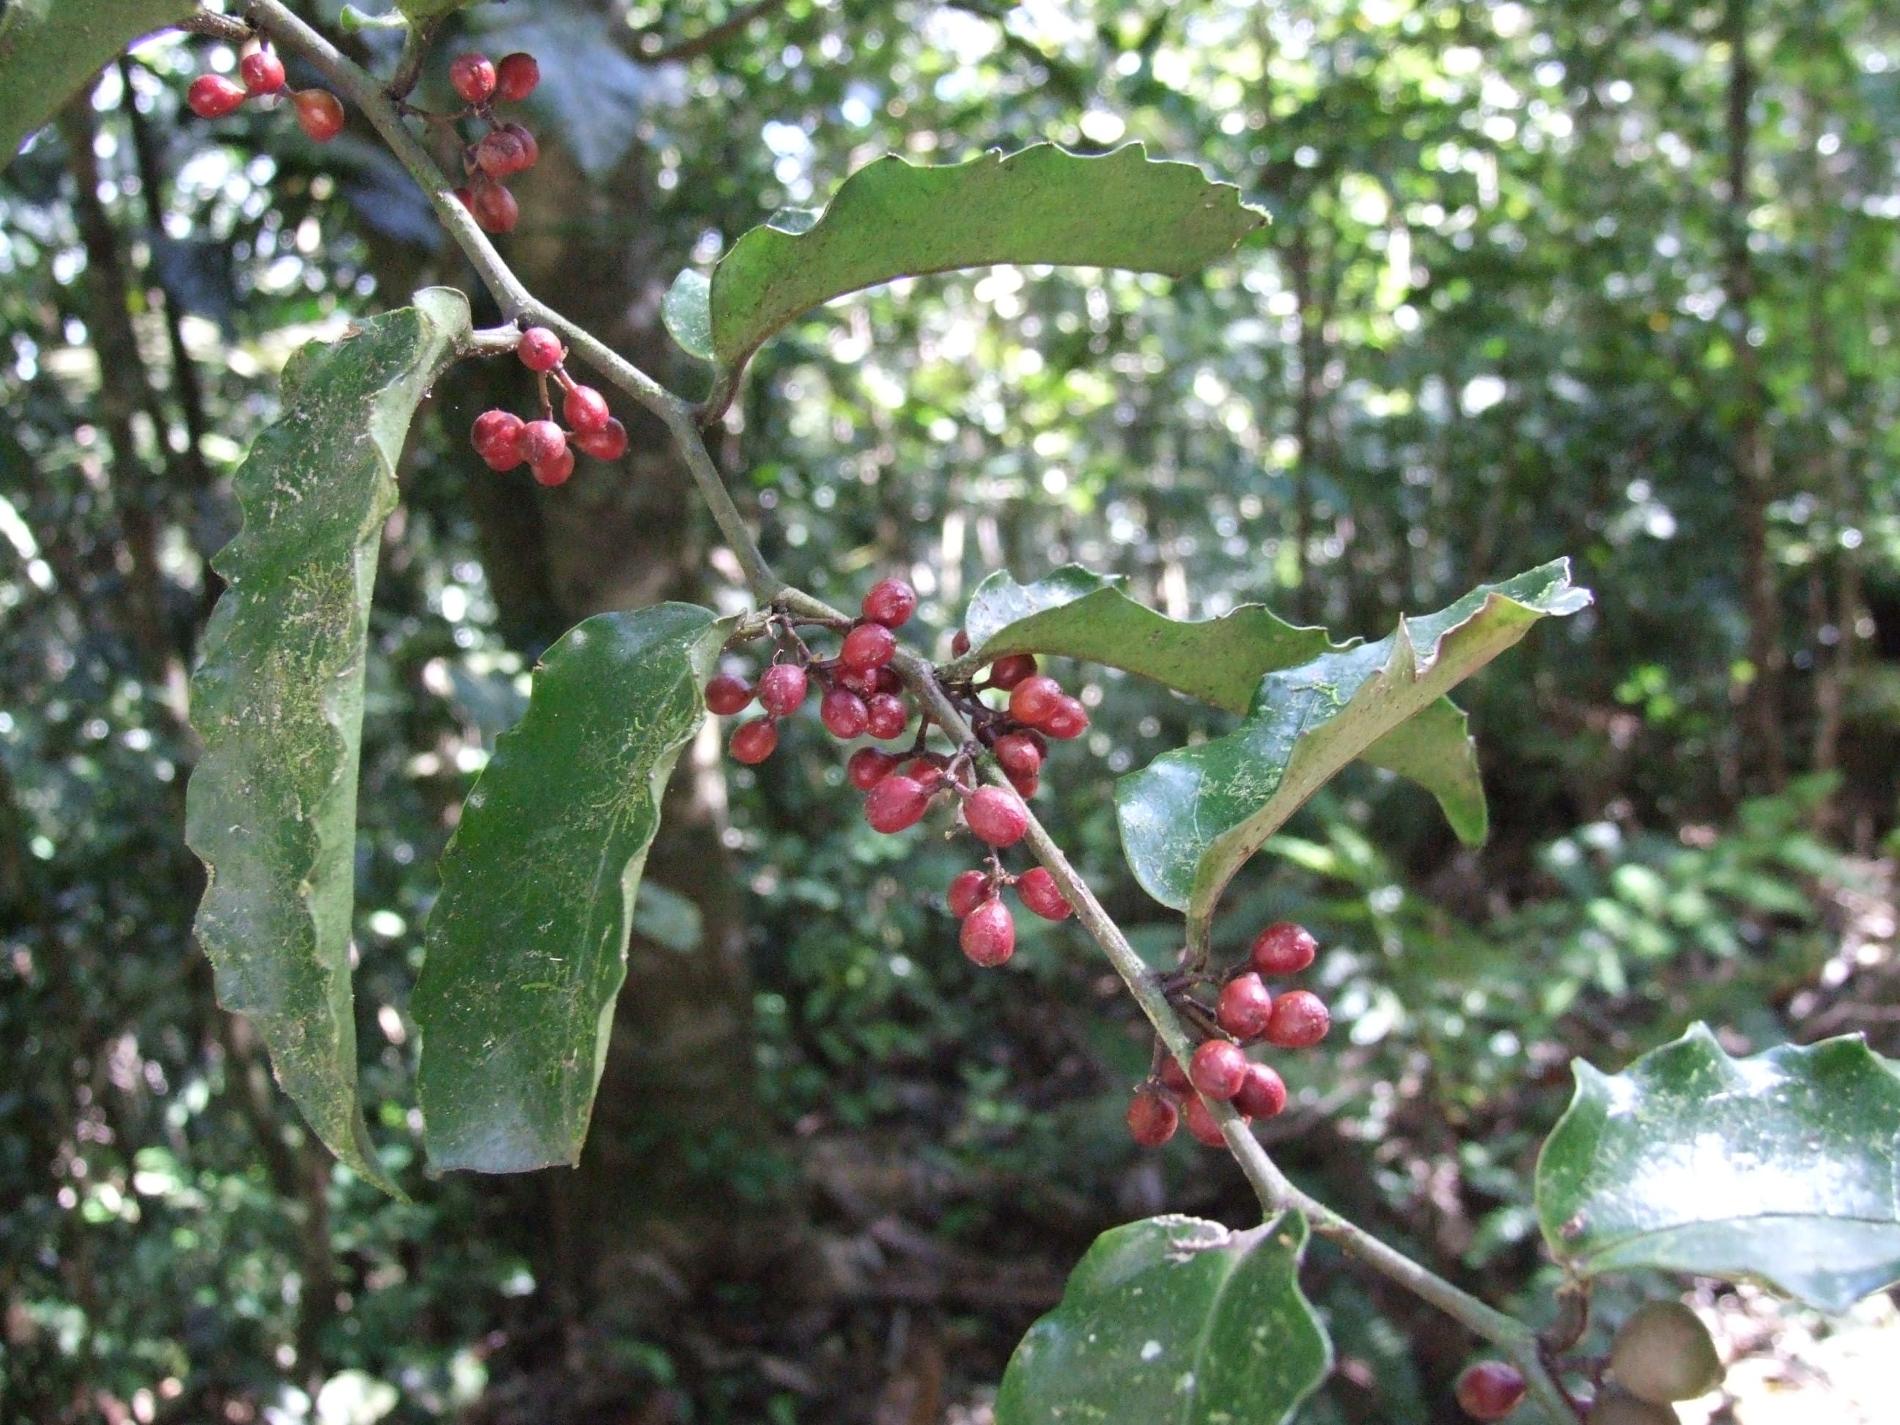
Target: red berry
[
  {"x": 1026, "y": 786},
  {"x": 782, "y": 689},
  {"x": 1262, "y": 1094},
  {"x": 959, "y": 643},
  {"x": 1490, "y": 1390},
  {"x": 1173, "y": 1077},
  {"x": 501, "y": 154},
  {"x": 319, "y": 114},
  {"x": 1245, "y": 1007},
  {"x": 868, "y": 646},
  {"x": 543, "y": 442},
  {"x": 540, "y": 349},
  {"x": 1200, "y": 1122},
  {"x": 923, "y": 771},
  {"x": 212, "y": 96},
  {"x": 1218, "y": 1069},
  {"x": 473, "y": 77},
  {"x": 1151, "y": 1118},
  {"x": 608, "y": 443},
  {"x": 1018, "y": 754},
  {"x": 1033, "y": 699},
  {"x": 1300, "y": 1020},
  {"x": 466, "y": 198},
  {"x": 726, "y": 695},
  {"x": 516, "y": 77},
  {"x": 586, "y": 410},
  {"x": 555, "y": 471},
  {"x": 1284, "y": 948},
  {"x": 895, "y": 803},
  {"x": 843, "y": 714},
  {"x": 1006, "y": 673},
  {"x": 997, "y": 817},
  {"x": 968, "y": 891},
  {"x": 890, "y": 602},
  {"x": 528, "y": 150},
  {"x": 754, "y": 741},
  {"x": 1068, "y": 719},
  {"x": 263, "y": 72},
  {"x": 886, "y": 716},
  {"x": 497, "y": 439},
  {"x": 495, "y": 209},
  {"x": 1040, "y": 893},
  {"x": 988, "y": 936},
  {"x": 867, "y": 767}
]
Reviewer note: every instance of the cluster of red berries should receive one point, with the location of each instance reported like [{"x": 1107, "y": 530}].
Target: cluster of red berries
[
  {"x": 506, "y": 149},
  {"x": 212, "y": 96},
  {"x": 863, "y": 696},
  {"x": 1246, "y": 1012},
  {"x": 505, "y": 441}
]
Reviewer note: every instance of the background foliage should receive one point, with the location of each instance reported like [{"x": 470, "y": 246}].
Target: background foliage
[{"x": 1499, "y": 318}]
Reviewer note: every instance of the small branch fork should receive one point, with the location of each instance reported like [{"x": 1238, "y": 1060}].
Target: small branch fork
[{"x": 382, "y": 104}]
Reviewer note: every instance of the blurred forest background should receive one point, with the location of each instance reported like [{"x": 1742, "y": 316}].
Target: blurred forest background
[{"x": 1613, "y": 280}]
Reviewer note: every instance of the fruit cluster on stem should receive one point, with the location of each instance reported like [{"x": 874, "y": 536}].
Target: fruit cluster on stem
[
  {"x": 213, "y": 96},
  {"x": 505, "y": 149},
  {"x": 505, "y": 441},
  {"x": 861, "y": 695},
  {"x": 1244, "y": 1012}
]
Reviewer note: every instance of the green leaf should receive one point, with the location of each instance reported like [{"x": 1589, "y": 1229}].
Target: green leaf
[
  {"x": 1174, "y": 1321},
  {"x": 1192, "y": 817},
  {"x": 1077, "y": 613},
  {"x": 687, "y": 311},
  {"x": 1781, "y": 1168},
  {"x": 1043, "y": 205},
  {"x": 50, "y": 48},
  {"x": 527, "y": 945},
  {"x": 278, "y": 702}
]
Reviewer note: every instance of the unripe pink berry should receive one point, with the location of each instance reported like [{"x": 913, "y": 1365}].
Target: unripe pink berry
[
  {"x": 726, "y": 695},
  {"x": 895, "y": 803},
  {"x": 516, "y": 77},
  {"x": 996, "y": 817},
  {"x": 1040, "y": 893},
  {"x": 968, "y": 891},
  {"x": 1219, "y": 1069},
  {"x": 1262, "y": 1094},
  {"x": 1300, "y": 1020},
  {"x": 988, "y": 936},
  {"x": 868, "y": 646},
  {"x": 1151, "y": 1118},
  {"x": 843, "y": 714},
  {"x": 1245, "y": 1007},
  {"x": 473, "y": 77},
  {"x": 890, "y": 602},
  {"x": 754, "y": 741},
  {"x": 212, "y": 96},
  {"x": 319, "y": 114},
  {"x": 782, "y": 688},
  {"x": 1283, "y": 948},
  {"x": 540, "y": 349}
]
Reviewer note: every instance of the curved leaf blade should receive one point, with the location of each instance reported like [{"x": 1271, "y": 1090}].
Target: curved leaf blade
[
  {"x": 527, "y": 945},
  {"x": 1044, "y": 204},
  {"x": 49, "y": 48},
  {"x": 1781, "y": 1168},
  {"x": 1192, "y": 817},
  {"x": 278, "y": 702},
  {"x": 1174, "y": 1321},
  {"x": 686, "y": 309}
]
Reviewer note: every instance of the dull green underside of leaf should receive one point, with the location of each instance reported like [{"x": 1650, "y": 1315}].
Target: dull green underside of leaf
[
  {"x": 50, "y": 48},
  {"x": 278, "y": 702},
  {"x": 527, "y": 944},
  {"x": 1781, "y": 1168},
  {"x": 892, "y": 218},
  {"x": 1192, "y": 817},
  {"x": 1174, "y": 1321}
]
